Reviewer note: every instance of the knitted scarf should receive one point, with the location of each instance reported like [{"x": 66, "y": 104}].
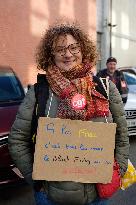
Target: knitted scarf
[{"x": 77, "y": 80}]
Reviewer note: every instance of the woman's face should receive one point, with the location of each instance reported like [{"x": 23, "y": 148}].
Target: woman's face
[{"x": 67, "y": 52}]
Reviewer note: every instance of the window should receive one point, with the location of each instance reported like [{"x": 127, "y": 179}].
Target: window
[
  {"x": 10, "y": 87},
  {"x": 130, "y": 78}
]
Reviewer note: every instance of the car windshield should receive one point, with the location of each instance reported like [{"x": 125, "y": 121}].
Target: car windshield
[
  {"x": 10, "y": 87},
  {"x": 130, "y": 78}
]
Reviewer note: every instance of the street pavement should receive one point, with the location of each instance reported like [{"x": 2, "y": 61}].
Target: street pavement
[{"x": 23, "y": 195}]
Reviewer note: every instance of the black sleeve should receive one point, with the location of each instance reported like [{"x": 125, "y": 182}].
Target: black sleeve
[
  {"x": 123, "y": 90},
  {"x": 122, "y": 76},
  {"x": 98, "y": 74},
  {"x": 102, "y": 73}
]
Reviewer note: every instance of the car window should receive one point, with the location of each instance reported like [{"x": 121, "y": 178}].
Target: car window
[
  {"x": 10, "y": 87},
  {"x": 130, "y": 78}
]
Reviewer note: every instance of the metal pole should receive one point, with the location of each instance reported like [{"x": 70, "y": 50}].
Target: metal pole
[{"x": 110, "y": 27}]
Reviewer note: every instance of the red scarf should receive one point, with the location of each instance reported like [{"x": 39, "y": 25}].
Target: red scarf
[{"x": 77, "y": 80}]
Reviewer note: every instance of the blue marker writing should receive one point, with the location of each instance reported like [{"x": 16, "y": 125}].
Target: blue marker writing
[
  {"x": 82, "y": 147},
  {"x": 47, "y": 145},
  {"x": 56, "y": 145},
  {"x": 46, "y": 158},
  {"x": 64, "y": 131},
  {"x": 71, "y": 146},
  {"x": 50, "y": 127}
]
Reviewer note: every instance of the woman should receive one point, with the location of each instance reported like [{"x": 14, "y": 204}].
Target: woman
[{"x": 68, "y": 55}]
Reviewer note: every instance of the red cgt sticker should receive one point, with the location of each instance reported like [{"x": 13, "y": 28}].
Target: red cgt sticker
[
  {"x": 78, "y": 102},
  {"x": 123, "y": 84}
]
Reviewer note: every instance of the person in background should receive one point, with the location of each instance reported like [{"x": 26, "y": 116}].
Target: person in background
[
  {"x": 67, "y": 55},
  {"x": 115, "y": 76}
]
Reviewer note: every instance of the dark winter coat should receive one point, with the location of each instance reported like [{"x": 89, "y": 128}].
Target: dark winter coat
[
  {"x": 118, "y": 79},
  {"x": 20, "y": 148}
]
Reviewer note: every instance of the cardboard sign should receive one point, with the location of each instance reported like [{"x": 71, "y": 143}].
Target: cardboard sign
[{"x": 74, "y": 150}]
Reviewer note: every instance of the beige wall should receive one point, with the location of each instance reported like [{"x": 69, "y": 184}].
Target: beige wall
[
  {"x": 23, "y": 22},
  {"x": 124, "y": 34}
]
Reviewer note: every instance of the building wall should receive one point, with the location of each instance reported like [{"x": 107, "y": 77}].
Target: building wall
[
  {"x": 22, "y": 23},
  {"x": 124, "y": 34}
]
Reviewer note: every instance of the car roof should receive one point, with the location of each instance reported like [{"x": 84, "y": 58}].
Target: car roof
[
  {"x": 130, "y": 74},
  {"x": 128, "y": 69},
  {"x": 5, "y": 69}
]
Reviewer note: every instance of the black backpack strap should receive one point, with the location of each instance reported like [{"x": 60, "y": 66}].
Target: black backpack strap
[
  {"x": 99, "y": 87},
  {"x": 41, "y": 94},
  {"x": 41, "y": 89},
  {"x": 105, "y": 84}
]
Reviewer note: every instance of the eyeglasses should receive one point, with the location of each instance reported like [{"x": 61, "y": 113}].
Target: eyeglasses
[{"x": 73, "y": 49}]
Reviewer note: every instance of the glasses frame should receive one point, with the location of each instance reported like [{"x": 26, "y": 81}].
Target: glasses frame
[{"x": 68, "y": 47}]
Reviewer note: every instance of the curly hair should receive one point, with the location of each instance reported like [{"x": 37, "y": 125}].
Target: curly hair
[{"x": 44, "y": 54}]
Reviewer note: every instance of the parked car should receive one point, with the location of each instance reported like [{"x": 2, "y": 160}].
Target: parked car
[
  {"x": 128, "y": 69},
  {"x": 11, "y": 95},
  {"x": 130, "y": 106}
]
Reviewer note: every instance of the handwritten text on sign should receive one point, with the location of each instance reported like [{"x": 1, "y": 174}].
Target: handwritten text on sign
[{"x": 74, "y": 150}]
